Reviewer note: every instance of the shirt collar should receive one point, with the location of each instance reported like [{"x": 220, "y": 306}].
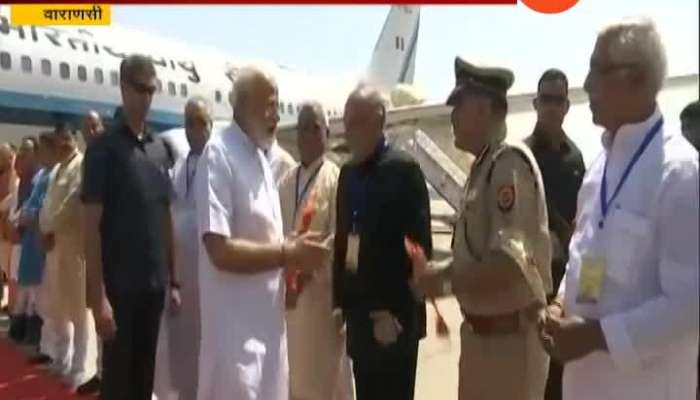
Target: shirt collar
[
  {"x": 243, "y": 138},
  {"x": 629, "y": 136},
  {"x": 374, "y": 158},
  {"x": 313, "y": 166},
  {"x": 125, "y": 129}
]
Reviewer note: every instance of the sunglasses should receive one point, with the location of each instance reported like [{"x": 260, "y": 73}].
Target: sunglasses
[
  {"x": 143, "y": 88},
  {"x": 551, "y": 99}
]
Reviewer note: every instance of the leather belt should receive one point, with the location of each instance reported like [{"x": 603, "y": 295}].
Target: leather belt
[{"x": 493, "y": 325}]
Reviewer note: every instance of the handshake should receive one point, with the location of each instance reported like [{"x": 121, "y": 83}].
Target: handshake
[{"x": 306, "y": 252}]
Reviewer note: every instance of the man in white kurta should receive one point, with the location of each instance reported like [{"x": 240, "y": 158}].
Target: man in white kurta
[
  {"x": 629, "y": 329},
  {"x": 60, "y": 219},
  {"x": 243, "y": 353},
  {"x": 178, "y": 341},
  {"x": 318, "y": 366}
]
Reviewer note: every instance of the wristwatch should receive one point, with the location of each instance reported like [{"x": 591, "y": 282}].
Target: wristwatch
[{"x": 175, "y": 285}]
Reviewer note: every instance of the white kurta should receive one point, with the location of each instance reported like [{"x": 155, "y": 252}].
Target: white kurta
[
  {"x": 243, "y": 352},
  {"x": 319, "y": 369},
  {"x": 179, "y": 336},
  {"x": 648, "y": 306},
  {"x": 65, "y": 271}
]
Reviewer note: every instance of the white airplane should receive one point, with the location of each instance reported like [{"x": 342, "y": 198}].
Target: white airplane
[{"x": 51, "y": 73}]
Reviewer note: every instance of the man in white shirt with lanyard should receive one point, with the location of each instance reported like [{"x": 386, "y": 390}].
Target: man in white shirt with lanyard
[
  {"x": 626, "y": 320},
  {"x": 243, "y": 253},
  {"x": 318, "y": 366},
  {"x": 178, "y": 341}
]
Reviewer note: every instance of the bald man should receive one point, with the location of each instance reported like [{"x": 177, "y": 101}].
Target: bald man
[
  {"x": 92, "y": 126},
  {"x": 243, "y": 352},
  {"x": 178, "y": 350},
  {"x": 318, "y": 366},
  {"x": 382, "y": 198}
]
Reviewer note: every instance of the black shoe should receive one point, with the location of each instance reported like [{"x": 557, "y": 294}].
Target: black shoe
[
  {"x": 33, "y": 331},
  {"x": 18, "y": 328},
  {"x": 90, "y": 387},
  {"x": 40, "y": 359}
]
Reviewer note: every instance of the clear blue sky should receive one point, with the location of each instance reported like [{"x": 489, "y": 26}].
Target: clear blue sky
[{"x": 339, "y": 39}]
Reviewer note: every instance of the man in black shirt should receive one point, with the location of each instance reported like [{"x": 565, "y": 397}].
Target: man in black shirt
[
  {"x": 562, "y": 169},
  {"x": 382, "y": 198},
  {"x": 128, "y": 237}
]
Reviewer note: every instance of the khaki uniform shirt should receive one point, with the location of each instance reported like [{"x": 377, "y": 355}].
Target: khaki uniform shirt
[{"x": 503, "y": 213}]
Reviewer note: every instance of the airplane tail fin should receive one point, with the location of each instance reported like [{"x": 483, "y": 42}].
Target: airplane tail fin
[{"x": 394, "y": 56}]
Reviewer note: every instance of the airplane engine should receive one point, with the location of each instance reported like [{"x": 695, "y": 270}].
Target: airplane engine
[{"x": 406, "y": 95}]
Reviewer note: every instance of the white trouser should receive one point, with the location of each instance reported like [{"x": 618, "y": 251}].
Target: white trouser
[
  {"x": 26, "y": 300},
  {"x": 73, "y": 337}
]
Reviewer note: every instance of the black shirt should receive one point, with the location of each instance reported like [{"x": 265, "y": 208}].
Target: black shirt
[
  {"x": 562, "y": 173},
  {"x": 129, "y": 177}
]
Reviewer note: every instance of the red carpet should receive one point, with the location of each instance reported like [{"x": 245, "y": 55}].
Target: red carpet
[{"x": 21, "y": 381}]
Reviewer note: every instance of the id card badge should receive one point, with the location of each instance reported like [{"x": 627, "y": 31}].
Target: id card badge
[
  {"x": 352, "y": 254},
  {"x": 591, "y": 279}
]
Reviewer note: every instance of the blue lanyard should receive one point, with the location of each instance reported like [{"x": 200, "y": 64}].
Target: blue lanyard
[
  {"x": 358, "y": 199},
  {"x": 605, "y": 205},
  {"x": 300, "y": 196}
]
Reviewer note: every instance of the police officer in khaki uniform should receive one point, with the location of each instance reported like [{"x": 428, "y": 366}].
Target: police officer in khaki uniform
[{"x": 500, "y": 270}]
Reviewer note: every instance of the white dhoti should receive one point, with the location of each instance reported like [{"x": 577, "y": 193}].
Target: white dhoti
[{"x": 319, "y": 369}]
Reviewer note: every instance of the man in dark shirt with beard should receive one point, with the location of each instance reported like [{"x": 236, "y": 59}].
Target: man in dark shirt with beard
[{"x": 562, "y": 169}]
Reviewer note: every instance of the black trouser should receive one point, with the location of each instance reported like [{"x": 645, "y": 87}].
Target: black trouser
[
  {"x": 129, "y": 359},
  {"x": 387, "y": 382}
]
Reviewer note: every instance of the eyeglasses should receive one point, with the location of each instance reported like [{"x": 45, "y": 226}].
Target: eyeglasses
[
  {"x": 143, "y": 88},
  {"x": 550, "y": 99}
]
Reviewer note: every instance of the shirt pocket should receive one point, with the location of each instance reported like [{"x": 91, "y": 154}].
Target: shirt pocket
[{"x": 628, "y": 240}]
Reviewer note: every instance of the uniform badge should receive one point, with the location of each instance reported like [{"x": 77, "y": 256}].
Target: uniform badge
[{"x": 505, "y": 197}]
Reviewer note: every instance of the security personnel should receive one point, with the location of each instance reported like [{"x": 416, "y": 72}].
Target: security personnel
[{"x": 500, "y": 270}]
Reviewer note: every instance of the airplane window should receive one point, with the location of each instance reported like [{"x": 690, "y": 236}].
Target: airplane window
[
  {"x": 99, "y": 76},
  {"x": 290, "y": 108},
  {"x": 217, "y": 96},
  {"x": 114, "y": 78},
  {"x": 26, "y": 64},
  {"x": 82, "y": 73},
  {"x": 159, "y": 84},
  {"x": 183, "y": 90},
  {"x": 5, "y": 60},
  {"x": 46, "y": 67},
  {"x": 171, "y": 89},
  {"x": 64, "y": 70}
]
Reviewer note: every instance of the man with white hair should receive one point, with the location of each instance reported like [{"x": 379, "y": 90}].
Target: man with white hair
[
  {"x": 243, "y": 253},
  {"x": 281, "y": 162},
  {"x": 318, "y": 366},
  {"x": 626, "y": 322},
  {"x": 382, "y": 199}
]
